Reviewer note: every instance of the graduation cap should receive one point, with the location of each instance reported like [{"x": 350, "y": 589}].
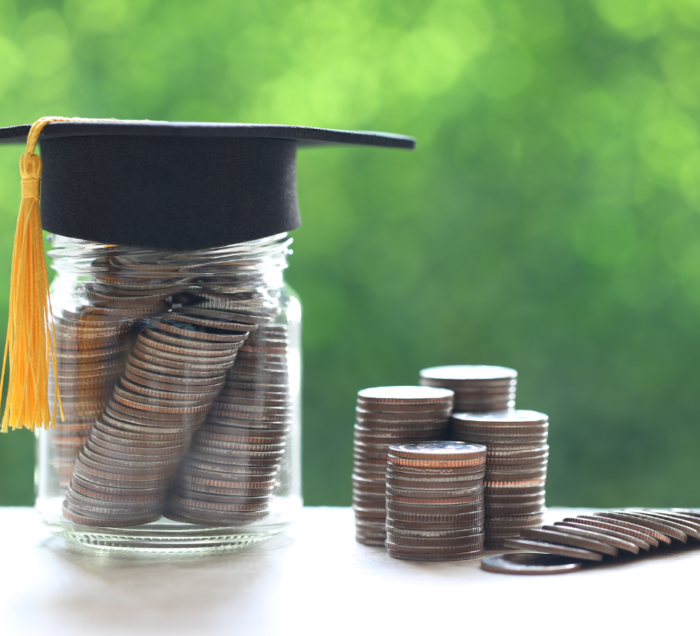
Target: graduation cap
[{"x": 152, "y": 184}]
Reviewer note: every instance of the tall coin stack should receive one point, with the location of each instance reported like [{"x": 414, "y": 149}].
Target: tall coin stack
[
  {"x": 477, "y": 387},
  {"x": 92, "y": 342},
  {"x": 435, "y": 501},
  {"x": 516, "y": 468},
  {"x": 387, "y": 416},
  {"x": 172, "y": 377},
  {"x": 230, "y": 472}
]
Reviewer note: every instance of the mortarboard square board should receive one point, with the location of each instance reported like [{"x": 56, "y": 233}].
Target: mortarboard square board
[{"x": 176, "y": 185}]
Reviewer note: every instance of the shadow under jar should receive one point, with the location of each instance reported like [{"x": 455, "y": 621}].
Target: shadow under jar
[{"x": 179, "y": 374}]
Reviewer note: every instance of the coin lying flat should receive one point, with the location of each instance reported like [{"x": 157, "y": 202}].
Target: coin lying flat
[{"x": 530, "y": 564}]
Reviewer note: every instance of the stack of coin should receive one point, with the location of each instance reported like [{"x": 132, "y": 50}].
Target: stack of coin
[
  {"x": 608, "y": 534},
  {"x": 435, "y": 501},
  {"x": 92, "y": 342},
  {"x": 386, "y": 416},
  {"x": 229, "y": 475},
  {"x": 172, "y": 377},
  {"x": 477, "y": 387},
  {"x": 90, "y": 354},
  {"x": 516, "y": 468}
]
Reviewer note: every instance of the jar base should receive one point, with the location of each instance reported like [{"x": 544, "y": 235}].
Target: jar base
[
  {"x": 166, "y": 536},
  {"x": 157, "y": 537}
]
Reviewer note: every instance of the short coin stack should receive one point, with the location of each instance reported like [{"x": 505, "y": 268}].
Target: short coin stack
[
  {"x": 477, "y": 387},
  {"x": 172, "y": 377},
  {"x": 516, "y": 468},
  {"x": 91, "y": 350},
  {"x": 435, "y": 501},
  {"x": 386, "y": 416},
  {"x": 230, "y": 472}
]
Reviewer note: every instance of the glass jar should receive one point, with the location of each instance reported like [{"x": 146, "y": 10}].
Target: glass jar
[{"x": 179, "y": 375}]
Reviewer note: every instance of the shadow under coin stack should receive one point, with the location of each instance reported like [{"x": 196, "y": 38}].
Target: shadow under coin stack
[
  {"x": 172, "y": 377},
  {"x": 435, "y": 501},
  {"x": 92, "y": 342},
  {"x": 516, "y": 468},
  {"x": 230, "y": 473},
  {"x": 477, "y": 387},
  {"x": 387, "y": 416}
]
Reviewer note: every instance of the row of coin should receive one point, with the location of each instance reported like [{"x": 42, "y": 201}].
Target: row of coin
[
  {"x": 435, "y": 501},
  {"x": 386, "y": 416},
  {"x": 597, "y": 536}
]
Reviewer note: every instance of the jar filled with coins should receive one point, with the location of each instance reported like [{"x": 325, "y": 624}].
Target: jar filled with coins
[
  {"x": 164, "y": 366},
  {"x": 179, "y": 377}
]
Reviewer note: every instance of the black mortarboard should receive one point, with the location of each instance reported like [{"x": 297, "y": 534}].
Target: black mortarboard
[
  {"x": 162, "y": 185},
  {"x": 176, "y": 185}
]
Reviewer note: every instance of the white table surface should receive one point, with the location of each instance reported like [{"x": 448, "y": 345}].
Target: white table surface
[{"x": 318, "y": 580}]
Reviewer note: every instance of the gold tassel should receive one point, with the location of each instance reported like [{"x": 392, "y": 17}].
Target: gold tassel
[{"x": 31, "y": 340}]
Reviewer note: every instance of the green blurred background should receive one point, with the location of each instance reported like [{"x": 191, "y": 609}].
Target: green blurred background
[{"x": 549, "y": 220}]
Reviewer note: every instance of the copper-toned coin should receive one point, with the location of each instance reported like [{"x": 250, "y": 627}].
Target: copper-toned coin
[
  {"x": 530, "y": 564},
  {"x": 404, "y": 395}
]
